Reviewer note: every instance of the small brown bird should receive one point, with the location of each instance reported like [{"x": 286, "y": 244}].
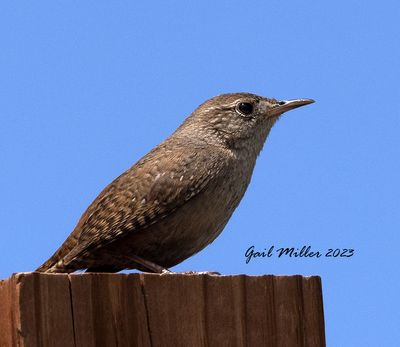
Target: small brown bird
[{"x": 178, "y": 198}]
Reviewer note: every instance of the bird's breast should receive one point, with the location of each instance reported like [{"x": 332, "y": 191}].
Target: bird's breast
[{"x": 198, "y": 222}]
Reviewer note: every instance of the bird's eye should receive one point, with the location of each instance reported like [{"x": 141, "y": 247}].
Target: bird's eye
[{"x": 245, "y": 108}]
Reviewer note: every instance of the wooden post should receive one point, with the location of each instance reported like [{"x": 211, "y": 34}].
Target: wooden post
[{"x": 86, "y": 310}]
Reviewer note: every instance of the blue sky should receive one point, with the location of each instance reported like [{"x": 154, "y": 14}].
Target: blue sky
[{"x": 87, "y": 88}]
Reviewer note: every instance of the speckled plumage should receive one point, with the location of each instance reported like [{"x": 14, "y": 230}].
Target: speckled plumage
[{"x": 177, "y": 199}]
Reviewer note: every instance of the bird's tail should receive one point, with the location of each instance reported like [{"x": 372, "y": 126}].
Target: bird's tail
[
  {"x": 50, "y": 266},
  {"x": 56, "y": 262}
]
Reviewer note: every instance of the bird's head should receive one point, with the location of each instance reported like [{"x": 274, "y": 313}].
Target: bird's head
[{"x": 239, "y": 119}]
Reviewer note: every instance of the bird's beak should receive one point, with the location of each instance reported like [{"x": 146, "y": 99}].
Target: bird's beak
[{"x": 287, "y": 105}]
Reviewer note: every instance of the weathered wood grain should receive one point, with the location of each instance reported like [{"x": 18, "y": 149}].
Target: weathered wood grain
[
  {"x": 109, "y": 310},
  {"x": 8, "y": 312},
  {"x": 86, "y": 310}
]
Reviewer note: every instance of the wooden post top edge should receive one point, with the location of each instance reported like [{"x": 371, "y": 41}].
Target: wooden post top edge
[{"x": 19, "y": 275}]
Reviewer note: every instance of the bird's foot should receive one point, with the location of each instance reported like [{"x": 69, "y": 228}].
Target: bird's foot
[{"x": 212, "y": 273}]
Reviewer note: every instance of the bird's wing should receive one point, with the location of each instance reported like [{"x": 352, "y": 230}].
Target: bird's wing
[{"x": 153, "y": 188}]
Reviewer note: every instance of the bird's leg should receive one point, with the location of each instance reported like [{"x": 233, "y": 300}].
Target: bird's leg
[{"x": 149, "y": 265}]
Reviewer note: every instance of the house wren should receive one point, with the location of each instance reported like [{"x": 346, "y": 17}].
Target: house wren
[{"x": 178, "y": 198}]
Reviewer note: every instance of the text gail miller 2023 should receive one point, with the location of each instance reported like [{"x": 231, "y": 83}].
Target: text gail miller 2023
[{"x": 297, "y": 252}]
